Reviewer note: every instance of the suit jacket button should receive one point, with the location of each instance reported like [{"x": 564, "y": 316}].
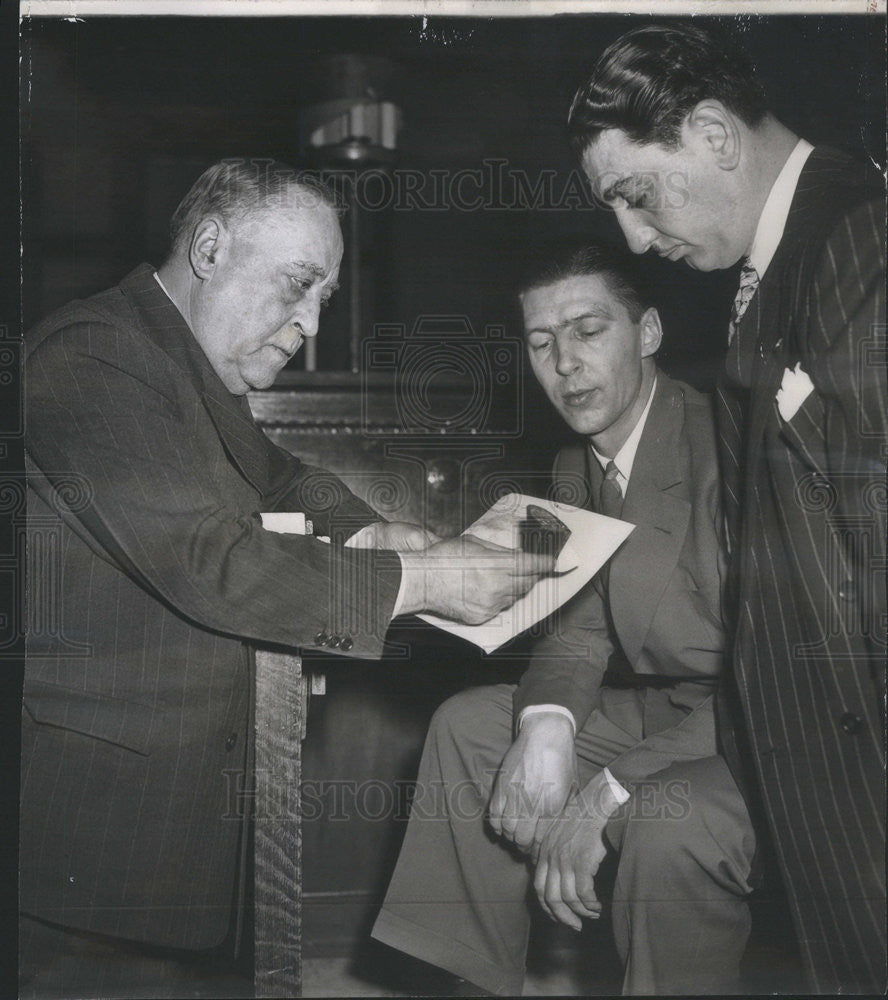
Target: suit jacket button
[
  {"x": 231, "y": 741},
  {"x": 346, "y": 643},
  {"x": 851, "y": 723},
  {"x": 335, "y": 640},
  {"x": 321, "y": 638},
  {"x": 848, "y": 592}
]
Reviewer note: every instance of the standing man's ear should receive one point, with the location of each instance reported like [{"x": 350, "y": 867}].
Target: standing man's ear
[
  {"x": 204, "y": 244},
  {"x": 651, "y": 332},
  {"x": 713, "y": 129}
]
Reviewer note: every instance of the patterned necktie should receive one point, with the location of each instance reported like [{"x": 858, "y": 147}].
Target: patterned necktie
[
  {"x": 749, "y": 282},
  {"x": 610, "y": 497}
]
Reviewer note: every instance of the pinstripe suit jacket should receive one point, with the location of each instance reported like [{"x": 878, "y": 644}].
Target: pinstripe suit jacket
[
  {"x": 151, "y": 580},
  {"x": 806, "y": 499}
]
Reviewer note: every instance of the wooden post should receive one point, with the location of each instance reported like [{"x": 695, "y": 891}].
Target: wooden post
[{"x": 281, "y": 704}]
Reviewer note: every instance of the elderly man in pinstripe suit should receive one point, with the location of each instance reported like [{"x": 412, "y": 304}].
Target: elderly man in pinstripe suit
[
  {"x": 146, "y": 479},
  {"x": 674, "y": 132}
]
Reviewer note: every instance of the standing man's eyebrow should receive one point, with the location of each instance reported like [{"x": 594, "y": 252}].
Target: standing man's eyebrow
[{"x": 617, "y": 189}]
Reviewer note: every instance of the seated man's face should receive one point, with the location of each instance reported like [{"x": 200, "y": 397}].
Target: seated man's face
[
  {"x": 272, "y": 275},
  {"x": 587, "y": 352}
]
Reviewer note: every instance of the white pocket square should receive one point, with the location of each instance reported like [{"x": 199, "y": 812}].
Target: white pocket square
[{"x": 795, "y": 388}]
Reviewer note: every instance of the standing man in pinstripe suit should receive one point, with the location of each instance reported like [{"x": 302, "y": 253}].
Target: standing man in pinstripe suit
[
  {"x": 152, "y": 580},
  {"x": 674, "y": 133}
]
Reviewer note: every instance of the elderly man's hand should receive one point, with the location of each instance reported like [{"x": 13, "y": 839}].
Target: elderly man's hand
[
  {"x": 468, "y": 580},
  {"x": 570, "y": 852},
  {"x": 399, "y": 535},
  {"x": 536, "y": 777}
]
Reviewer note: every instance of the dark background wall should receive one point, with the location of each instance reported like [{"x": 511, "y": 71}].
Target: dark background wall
[{"x": 121, "y": 114}]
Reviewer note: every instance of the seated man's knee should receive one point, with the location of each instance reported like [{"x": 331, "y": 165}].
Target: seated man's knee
[
  {"x": 463, "y": 713},
  {"x": 689, "y": 814},
  {"x": 476, "y": 722}
]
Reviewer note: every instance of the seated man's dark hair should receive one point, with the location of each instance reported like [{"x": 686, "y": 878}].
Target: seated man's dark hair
[
  {"x": 623, "y": 271},
  {"x": 235, "y": 187},
  {"x": 648, "y": 81}
]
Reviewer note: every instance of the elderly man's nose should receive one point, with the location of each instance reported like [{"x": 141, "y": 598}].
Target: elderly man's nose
[
  {"x": 307, "y": 318},
  {"x": 639, "y": 235}
]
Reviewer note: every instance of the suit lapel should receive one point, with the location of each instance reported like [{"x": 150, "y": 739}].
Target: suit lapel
[
  {"x": 657, "y": 503},
  {"x": 244, "y": 443},
  {"x": 824, "y": 170}
]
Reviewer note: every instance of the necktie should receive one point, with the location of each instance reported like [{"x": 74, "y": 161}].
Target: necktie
[
  {"x": 610, "y": 503},
  {"x": 749, "y": 282},
  {"x": 610, "y": 497}
]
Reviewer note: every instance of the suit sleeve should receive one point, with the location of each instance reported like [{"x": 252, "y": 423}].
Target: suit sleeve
[
  {"x": 569, "y": 660},
  {"x": 670, "y": 746},
  {"x": 567, "y": 663},
  {"x": 842, "y": 428},
  {"x": 155, "y": 510}
]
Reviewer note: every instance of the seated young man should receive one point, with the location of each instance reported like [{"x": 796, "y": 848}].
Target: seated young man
[{"x": 609, "y": 741}]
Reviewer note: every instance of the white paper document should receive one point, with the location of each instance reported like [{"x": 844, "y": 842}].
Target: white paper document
[
  {"x": 290, "y": 523},
  {"x": 286, "y": 522},
  {"x": 593, "y": 539}
]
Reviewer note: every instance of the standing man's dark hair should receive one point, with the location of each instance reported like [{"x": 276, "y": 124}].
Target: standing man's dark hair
[{"x": 648, "y": 80}]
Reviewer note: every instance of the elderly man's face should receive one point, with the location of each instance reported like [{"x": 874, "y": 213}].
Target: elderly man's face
[
  {"x": 675, "y": 202},
  {"x": 272, "y": 274},
  {"x": 587, "y": 352}
]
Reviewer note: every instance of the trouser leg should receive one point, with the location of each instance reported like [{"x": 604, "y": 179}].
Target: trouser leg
[
  {"x": 456, "y": 898},
  {"x": 681, "y": 919}
]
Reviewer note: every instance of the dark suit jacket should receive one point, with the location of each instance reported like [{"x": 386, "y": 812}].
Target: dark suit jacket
[
  {"x": 807, "y": 504},
  {"x": 661, "y": 609},
  {"x": 150, "y": 581}
]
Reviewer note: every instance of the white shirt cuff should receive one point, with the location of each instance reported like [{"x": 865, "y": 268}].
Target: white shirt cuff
[
  {"x": 620, "y": 793},
  {"x": 536, "y": 709},
  {"x": 401, "y": 588}
]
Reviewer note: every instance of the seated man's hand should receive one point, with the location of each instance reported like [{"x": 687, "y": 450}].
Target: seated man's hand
[
  {"x": 536, "y": 777},
  {"x": 399, "y": 535},
  {"x": 570, "y": 852},
  {"x": 468, "y": 580}
]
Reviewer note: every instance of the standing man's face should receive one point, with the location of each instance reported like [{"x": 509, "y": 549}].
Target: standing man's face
[
  {"x": 677, "y": 202},
  {"x": 270, "y": 275},
  {"x": 587, "y": 352}
]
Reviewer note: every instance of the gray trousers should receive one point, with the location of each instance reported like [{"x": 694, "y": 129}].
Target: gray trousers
[{"x": 458, "y": 896}]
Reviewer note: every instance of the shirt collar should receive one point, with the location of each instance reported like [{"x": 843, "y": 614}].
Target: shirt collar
[
  {"x": 772, "y": 221},
  {"x": 163, "y": 286},
  {"x": 625, "y": 457}
]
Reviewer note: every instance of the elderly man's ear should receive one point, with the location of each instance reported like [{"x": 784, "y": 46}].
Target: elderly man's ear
[
  {"x": 208, "y": 236},
  {"x": 651, "y": 332}
]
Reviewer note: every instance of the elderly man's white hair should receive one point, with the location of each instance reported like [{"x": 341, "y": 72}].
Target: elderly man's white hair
[{"x": 234, "y": 188}]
